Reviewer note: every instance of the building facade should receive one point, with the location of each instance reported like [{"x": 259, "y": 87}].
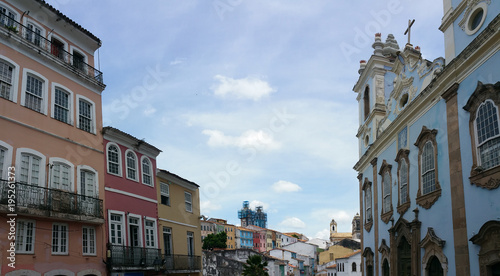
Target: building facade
[
  {"x": 179, "y": 223},
  {"x": 131, "y": 204},
  {"x": 429, "y": 145},
  {"x": 51, "y": 157}
]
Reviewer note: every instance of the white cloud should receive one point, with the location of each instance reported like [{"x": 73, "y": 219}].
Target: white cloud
[
  {"x": 283, "y": 186},
  {"x": 293, "y": 222},
  {"x": 177, "y": 61},
  {"x": 207, "y": 206},
  {"x": 255, "y": 203},
  {"x": 251, "y": 88},
  {"x": 150, "y": 110},
  {"x": 323, "y": 234},
  {"x": 251, "y": 138}
]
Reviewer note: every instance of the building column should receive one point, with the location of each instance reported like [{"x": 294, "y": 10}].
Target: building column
[
  {"x": 375, "y": 214},
  {"x": 460, "y": 240}
]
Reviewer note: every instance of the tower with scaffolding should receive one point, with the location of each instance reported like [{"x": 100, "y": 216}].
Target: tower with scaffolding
[{"x": 251, "y": 217}]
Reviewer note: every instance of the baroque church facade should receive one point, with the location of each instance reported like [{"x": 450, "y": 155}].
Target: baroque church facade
[{"x": 429, "y": 150}]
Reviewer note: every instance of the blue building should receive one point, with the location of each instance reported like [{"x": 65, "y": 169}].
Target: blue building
[
  {"x": 244, "y": 238},
  {"x": 429, "y": 150}
]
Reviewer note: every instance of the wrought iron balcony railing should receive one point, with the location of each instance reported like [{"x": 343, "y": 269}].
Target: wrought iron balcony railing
[
  {"x": 122, "y": 257},
  {"x": 181, "y": 262},
  {"x": 47, "y": 199},
  {"x": 54, "y": 47}
]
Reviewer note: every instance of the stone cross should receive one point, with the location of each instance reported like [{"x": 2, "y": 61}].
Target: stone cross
[{"x": 408, "y": 30}]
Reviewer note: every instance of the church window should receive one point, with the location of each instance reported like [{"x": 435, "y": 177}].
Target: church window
[
  {"x": 429, "y": 189},
  {"x": 434, "y": 268},
  {"x": 366, "y": 102},
  {"x": 488, "y": 239},
  {"x": 385, "y": 172},
  {"x": 385, "y": 268},
  {"x": 484, "y": 127}
]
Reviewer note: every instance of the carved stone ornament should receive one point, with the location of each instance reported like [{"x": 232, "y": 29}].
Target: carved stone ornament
[
  {"x": 470, "y": 6},
  {"x": 433, "y": 246},
  {"x": 490, "y": 178},
  {"x": 488, "y": 238}
]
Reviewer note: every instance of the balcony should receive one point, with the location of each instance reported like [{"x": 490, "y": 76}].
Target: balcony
[
  {"x": 25, "y": 35},
  {"x": 41, "y": 201},
  {"x": 132, "y": 258},
  {"x": 181, "y": 264}
]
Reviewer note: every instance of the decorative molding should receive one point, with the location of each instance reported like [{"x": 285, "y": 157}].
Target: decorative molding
[
  {"x": 368, "y": 255},
  {"x": 429, "y": 199},
  {"x": 433, "y": 247},
  {"x": 488, "y": 238},
  {"x": 471, "y": 4},
  {"x": 489, "y": 179},
  {"x": 386, "y": 217}
]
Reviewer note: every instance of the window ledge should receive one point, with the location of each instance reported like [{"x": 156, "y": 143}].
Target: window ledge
[
  {"x": 403, "y": 207},
  {"x": 385, "y": 217},
  {"x": 488, "y": 179},
  {"x": 429, "y": 199},
  {"x": 368, "y": 225}
]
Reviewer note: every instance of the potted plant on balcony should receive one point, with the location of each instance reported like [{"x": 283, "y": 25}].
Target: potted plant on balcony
[{"x": 12, "y": 28}]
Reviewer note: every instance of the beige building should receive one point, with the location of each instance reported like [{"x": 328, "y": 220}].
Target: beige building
[{"x": 179, "y": 224}]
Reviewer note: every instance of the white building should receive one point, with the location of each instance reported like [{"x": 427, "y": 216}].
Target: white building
[{"x": 349, "y": 265}]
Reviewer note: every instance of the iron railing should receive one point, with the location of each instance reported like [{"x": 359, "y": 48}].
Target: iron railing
[
  {"x": 133, "y": 256},
  {"x": 181, "y": 262},
  {"x": 54, "y": 47},
  {"x": 47, "y": 199}
]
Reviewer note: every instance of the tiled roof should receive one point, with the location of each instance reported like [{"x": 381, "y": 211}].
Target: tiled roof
[
  {"x": 173, "y": 174},
  {"x": 350, "y": 254},
  {"x": 67, "y": 19},
  {"x": 332, "y": 266},
  {"x": 139, "y": 141}
]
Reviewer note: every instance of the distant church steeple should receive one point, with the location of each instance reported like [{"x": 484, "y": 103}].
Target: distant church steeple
[{"x": 333, "y": 227}]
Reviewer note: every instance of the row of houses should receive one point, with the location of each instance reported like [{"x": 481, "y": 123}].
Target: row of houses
[{"x": 78, "y": 198}]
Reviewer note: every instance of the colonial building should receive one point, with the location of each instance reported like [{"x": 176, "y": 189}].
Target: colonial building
[
  {"x": 179, "y": 223},
  {"x": 51, "y": 157},
  {"x": 429, "y": 145},
  {"x": 131, "y": 204}
]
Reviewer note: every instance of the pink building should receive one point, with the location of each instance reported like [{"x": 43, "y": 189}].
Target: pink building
[
  {"x": 51, "y": 156},
  {"x": 131, "y": 204},
  {"x": 259, "y": 237}
]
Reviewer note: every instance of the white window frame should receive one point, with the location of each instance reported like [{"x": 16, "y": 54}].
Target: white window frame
[
  {"x": 43, "y": 163},
  {"x": 150, "y": 229},
  {"x": 15, "y": 78},
  {"x": 140, "y": 226},
  {"x": 163, "y": 193},
  {"x": 403, "y": 197},
  {"x": 81, "y": 168},
  {"x": 108, "y": 145},
  {"x": 387, "y": 190},
  {"x": 45, "y": 88},
  {"x": 73, "y": 49},
  {"x": 90, "y": 242},
  {"x": 10, "y": 9},
  {"x": 60, "y": 234},
  {"x": 42, "y": 31},
  {"x": 432, "y": 152},
  {"x": 60, "y": 39},
  {"x": 190, "y": 243},
  {"x": 476, "y": 135},
  {"x": 92, "y": 111},
  {"x": 53, "y": 161},
  {"x": 368, "y": 203},
  {"x": 150, "y": 173},
  {"x": 168, "y": 230},
  {"x": 21, "y": 238},
  {"x": 188, "y": 202},
  {"x": 7, "y": 162},
  {"x": 121, "y": 223},
  {"x": 70, "y": 102},
  {"x": 136, "y": 169}
]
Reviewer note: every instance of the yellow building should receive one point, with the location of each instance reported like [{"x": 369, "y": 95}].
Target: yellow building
[
  {"x": 333, "y": 252},
  {"x": 179, "y": 224},
  {"x": 231, "y": 236}
]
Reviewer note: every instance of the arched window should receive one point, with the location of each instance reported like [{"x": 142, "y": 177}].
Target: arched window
[
  {"x": 131, "y": 165},
  {"x": 385, "y": 172},
  {"x": 488, "y": 135},
  {"x": 385, "y": 268},
  {"x": 61, "y": 174},
  {"x": 366, "y": 102},
  {"x": 146, "y": 171},
  {"x": 353, "y": 266},
  {"x": 429, "y": 189},
  {"x": 113, "y": 153},
  {"x": 434, "y": 267}
]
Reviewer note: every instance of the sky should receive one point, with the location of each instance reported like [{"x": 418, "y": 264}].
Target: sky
[{"x": 250, "y": 99}]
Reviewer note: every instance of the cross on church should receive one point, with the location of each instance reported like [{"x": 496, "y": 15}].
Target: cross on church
[{"x": 408, "y": 30}]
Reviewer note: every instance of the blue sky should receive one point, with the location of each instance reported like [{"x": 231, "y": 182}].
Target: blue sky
[{"x": 250, "y": 99}]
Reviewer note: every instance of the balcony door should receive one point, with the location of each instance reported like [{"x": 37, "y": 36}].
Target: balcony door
[
  {"x": 88, "y": 191},
  {"x": 135, "y": 240},
  {"x": 57, "y": 48},
  {"x": 167, "y": 244}
]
